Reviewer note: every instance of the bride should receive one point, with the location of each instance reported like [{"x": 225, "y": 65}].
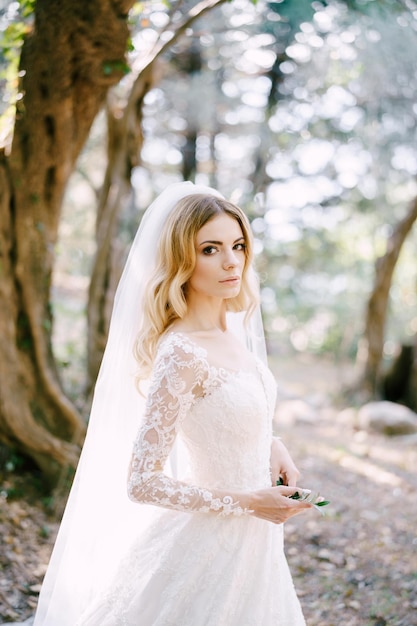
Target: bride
[{"x": 174, "y": 517}]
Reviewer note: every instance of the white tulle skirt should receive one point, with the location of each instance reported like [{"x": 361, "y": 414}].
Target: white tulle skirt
[{"x": 201, "y": 570}]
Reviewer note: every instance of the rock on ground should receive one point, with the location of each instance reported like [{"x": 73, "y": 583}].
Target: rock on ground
[{"x": 387, "y": 418}]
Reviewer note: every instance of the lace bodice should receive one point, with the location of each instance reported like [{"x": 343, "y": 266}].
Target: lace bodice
[{"x": 224, "y": 419}]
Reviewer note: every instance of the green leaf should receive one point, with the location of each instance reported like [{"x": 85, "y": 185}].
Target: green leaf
[
  {"x": 115, "y": 66},
  {"x": 311, "y": 497},
  {"x": 27, "y": 7}
]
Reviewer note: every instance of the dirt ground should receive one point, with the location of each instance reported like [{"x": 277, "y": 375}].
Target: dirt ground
[
  {"x": 357, "y": 564},
  {"x": 354, "y": 566}
]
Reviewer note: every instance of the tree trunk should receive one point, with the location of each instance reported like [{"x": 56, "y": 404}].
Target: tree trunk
[
  {"x": 376, "y": 313},
  {"x": 124, "y": 144},
  {"x": 399, "y": 382},
  {"x": 190, "y": 62},
  {"x": 73, "y": 55}
]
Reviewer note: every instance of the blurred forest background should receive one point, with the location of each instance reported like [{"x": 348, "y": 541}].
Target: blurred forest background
[{"x": 301, "y": 111}]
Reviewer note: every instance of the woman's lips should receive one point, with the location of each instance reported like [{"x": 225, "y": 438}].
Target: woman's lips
[{"x": 231, "y": 280}]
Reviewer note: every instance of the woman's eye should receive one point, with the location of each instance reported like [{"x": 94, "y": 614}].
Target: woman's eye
[
  {"x": 240, "y": 246},
  {"x": 209, "y": 250}
]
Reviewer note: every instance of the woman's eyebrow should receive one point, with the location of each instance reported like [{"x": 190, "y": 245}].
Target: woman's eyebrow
[{"x": 219, "y": 243}]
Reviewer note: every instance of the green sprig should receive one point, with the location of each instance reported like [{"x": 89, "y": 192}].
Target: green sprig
[{"x": 307, "y": 496}]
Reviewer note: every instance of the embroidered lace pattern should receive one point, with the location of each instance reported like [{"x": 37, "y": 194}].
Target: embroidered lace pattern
[{"x": 181, "y": 377}]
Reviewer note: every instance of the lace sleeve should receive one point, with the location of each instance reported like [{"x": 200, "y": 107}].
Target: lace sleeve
[{"x": 177, "y": 382}]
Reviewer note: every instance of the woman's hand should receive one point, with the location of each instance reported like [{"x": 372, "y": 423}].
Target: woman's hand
[
  {"x": 274, "y": 504},
  {"x": 282, "y": 465}
]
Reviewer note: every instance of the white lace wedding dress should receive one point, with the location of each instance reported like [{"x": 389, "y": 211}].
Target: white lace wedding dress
[{"x": 205, "y": 561}]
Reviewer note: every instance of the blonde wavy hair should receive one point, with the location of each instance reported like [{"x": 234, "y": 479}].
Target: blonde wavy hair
[{"x": 165, "y": 294}]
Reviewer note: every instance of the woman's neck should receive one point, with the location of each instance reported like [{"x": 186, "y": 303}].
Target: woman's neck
[{"x": 204, "y": 318}]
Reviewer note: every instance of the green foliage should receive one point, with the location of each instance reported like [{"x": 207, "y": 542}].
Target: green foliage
[
  {"x": 118, "y": 66},
  {"x": 16, "y": 26},
  {"x": 294, "y": 13},
  {"x": 136, "y": 10},
  {"x": 12, "y": 39},
  {"x": 27, "y": 7},
  {"x": 306, "y": 495}
]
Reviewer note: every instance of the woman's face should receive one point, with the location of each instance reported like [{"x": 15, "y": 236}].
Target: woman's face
[{"x": 220, "y": 259}]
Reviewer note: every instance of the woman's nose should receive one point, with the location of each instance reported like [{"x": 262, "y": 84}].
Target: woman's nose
[{"x": 230, "y": 259}]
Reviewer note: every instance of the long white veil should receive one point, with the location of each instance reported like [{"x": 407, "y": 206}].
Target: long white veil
[{"x": 100, "y": 522}]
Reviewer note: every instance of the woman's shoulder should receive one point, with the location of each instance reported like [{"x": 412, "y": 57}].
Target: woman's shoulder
[{"x": 178, "y": 343}]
